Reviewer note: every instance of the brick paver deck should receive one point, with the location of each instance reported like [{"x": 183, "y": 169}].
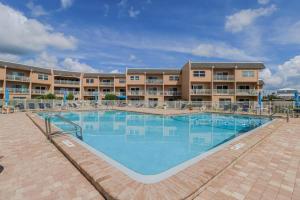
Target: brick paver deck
[
  {"x": 270, "y": 171},
  {"x": 34, "y": 168}
]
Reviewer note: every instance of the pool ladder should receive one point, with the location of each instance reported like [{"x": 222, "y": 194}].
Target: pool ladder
[{"x": 48, "y": 120}]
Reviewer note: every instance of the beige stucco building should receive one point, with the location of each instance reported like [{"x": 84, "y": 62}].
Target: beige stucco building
[{"x": 195, "y": 81}]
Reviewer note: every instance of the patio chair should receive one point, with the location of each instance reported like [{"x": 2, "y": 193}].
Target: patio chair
[
  {"x": 47, "y": 105},
  {"x": 21, "y": 107},
  {"x": 245, "y": 108},
  {"x": 31, "y": 106},
  {"x": 234, "y": 108},
  {"x": 75, "y": 105},
  {"x": 41, "y": 106}
]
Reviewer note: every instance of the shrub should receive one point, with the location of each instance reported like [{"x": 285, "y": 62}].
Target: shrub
[
  {"x": 49, "y": 96},
  {"x": 70, "y": 96},
  {"x": 110, "y": 97}
]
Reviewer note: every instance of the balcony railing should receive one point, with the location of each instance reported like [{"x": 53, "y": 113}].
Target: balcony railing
[
  {"x": 120, "y": 93},
  {"x": 66, "y": 82},
  {"x": 223, "y": 77},
  {"x": 154, "y": 81},
  {"x": 155, "y": 93},
  {"x": 90, "y": 93},
  {"x": 224, "y": 91},
  {"x": 17, "y": 78},
  {"x": 107, "y": 83},
  {"x": 19, "y": 90},
  {"x": 136, "y": 93},
  {"x": 38, "y": 91},
  {"x": 249, "y": 92},
  {"x": 201, "y": 91},
  {"x": 61, "y": 92},
  {"x": 172, "y": 93}
]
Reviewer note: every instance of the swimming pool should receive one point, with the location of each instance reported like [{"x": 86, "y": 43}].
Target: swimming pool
[{"x": 149, "y": 145}]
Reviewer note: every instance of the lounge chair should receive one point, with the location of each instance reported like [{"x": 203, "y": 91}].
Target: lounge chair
[
  {"x": 234, "y": 108},
  {"x": 226, "y": 108},
  {"x": 75, "y": 105},
  {"x": 245, "y": 108},
  {"x": 47, "y": 105},
  {"x": 31, "y": 106},
  {"x": 41, "y": 106},
  {"x": 21, "y": 107}
]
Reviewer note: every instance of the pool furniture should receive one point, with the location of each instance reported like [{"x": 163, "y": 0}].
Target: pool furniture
[
  {"x": 47, "y": 105},
  {"x": 21, "y": 107},
  {"x": 31, "y": 106},
  {"x": 41, "y": 106}
]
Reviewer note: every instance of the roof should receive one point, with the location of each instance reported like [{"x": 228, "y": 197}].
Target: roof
[
  {"x": 66, "y": 73},
  {"x": 243, "y": 65},
  {"x": 103, "y": 75},
  {"x": 153, "y": 71},
  {"x": 24, "y": 67}
]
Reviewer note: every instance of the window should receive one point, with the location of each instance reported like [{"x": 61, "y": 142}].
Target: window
[
  {"x": 248, "y": 73},
  {"x": 89, "y": 80},
  {"x": 43, "y": 77},
  {"x": 174, "y": 78},
  {"x": 197, "y": 87},
  {"x": 106, "y": 81},
  {"x": 106, "y": 90},
  {"x": 152, "y": 78},
  {"x": 199, "y": 73},
  {"x": 18, "y": 73},
  {"x": 244, "y": 87},
  {"x": 122, "y": 81},
  {"x": 222, "y": 73},
  {"x": 134, "y": 78}
]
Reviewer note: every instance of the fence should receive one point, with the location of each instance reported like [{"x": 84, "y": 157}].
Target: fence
[{"x": 268, "y": 107}]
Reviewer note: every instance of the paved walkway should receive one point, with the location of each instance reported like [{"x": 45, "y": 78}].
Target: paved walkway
[
  {"x": 34, "y": 168},
  {"x": 270, "y": 171}
]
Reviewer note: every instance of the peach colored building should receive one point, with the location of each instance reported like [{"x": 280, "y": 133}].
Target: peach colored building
[{"x": 195, "y": 81}]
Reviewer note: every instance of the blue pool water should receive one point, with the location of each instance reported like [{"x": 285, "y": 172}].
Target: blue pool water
[{"x": 151, "y": 144}]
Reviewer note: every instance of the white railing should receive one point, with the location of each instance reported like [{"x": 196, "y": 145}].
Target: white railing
[
  {"x": 66, "y": 82},
  {"x": 136, "y": 93},
  {"x": 172, "y": 93},
  {"x": 200, "y": 91},
  {"x": 37, "y": 91},
  {"x": 19, "y": 90},
  {"x": 90, "y": 93},
  {"x": 61, "y": 92},
  {"x": 17, "y": 78},
  {"x": 107, "y": 83},
  {"x": 250, "y": 92},
  {"x": 154, "y": 93},
  {"x": 223, "y": 77},
  {"x": 154, "y": 81},
  {"x": 120, "y": 93},
  {"x": 224, "y": 91}
]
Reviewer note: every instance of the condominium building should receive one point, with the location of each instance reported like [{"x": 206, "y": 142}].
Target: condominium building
[{"x": 195, "y": 81}]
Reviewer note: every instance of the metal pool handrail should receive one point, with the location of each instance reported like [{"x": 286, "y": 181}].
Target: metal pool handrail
[{"x": 48, "y": 119}]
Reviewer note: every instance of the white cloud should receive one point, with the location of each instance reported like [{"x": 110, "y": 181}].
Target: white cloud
[
  {"x": 9, "y": 57},
  {"x": 122, "y": 3},
  {"x": 132, "y": 57},
  {"x": 221, "y": 50},
  {"x": 133, "y": 13},
  {"x": 286, "y": 75},
  {"x": 288, "y": 34},
  {"x": 36, "y": 10},
  {"x": 115, "y": 71},
  {"x": 19, "y": 34},
  {"x": 51, "y": 61},
  {"x": 244, "y": 18},
  {"x": 66, "y": 3},
  {"x": 75, "y": 65},
  {"x": 263, "y": 2}
]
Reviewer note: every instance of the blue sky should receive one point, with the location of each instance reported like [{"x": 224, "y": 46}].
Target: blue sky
[{"x": 110, "y": 35}]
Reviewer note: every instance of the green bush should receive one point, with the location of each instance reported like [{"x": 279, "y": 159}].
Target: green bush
[
  {"x": 49, "y": 96},
  {"x": 110, "y": 97},
  {"x": 70, "y": 96}
]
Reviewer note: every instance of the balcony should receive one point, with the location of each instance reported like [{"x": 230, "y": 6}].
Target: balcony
[
  {"x": 107, "y": 84},
  {"x": 201, "y": 91},
  {"x": 66, "y": 82},
  {"x": 154, "y": 81},
  {"x": 90, "y": 93},
  {"x": 120, "y": 93},
  {"x": 172, "y": 93},
  {"x": 61, "y": 92},
  {"x": 154, "y": 93},
  {"x": 11, "y": 77},
  {"x": 247, "y": 92},
  {"x": 223, "y": 77},
  {"x": 1, "y": 90},
  {"x": 224, "y": 91},
  {"x": 136, "y": 93},
  {"x": 38, "y": 91},
  {"x": 19, "y": 90}
]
